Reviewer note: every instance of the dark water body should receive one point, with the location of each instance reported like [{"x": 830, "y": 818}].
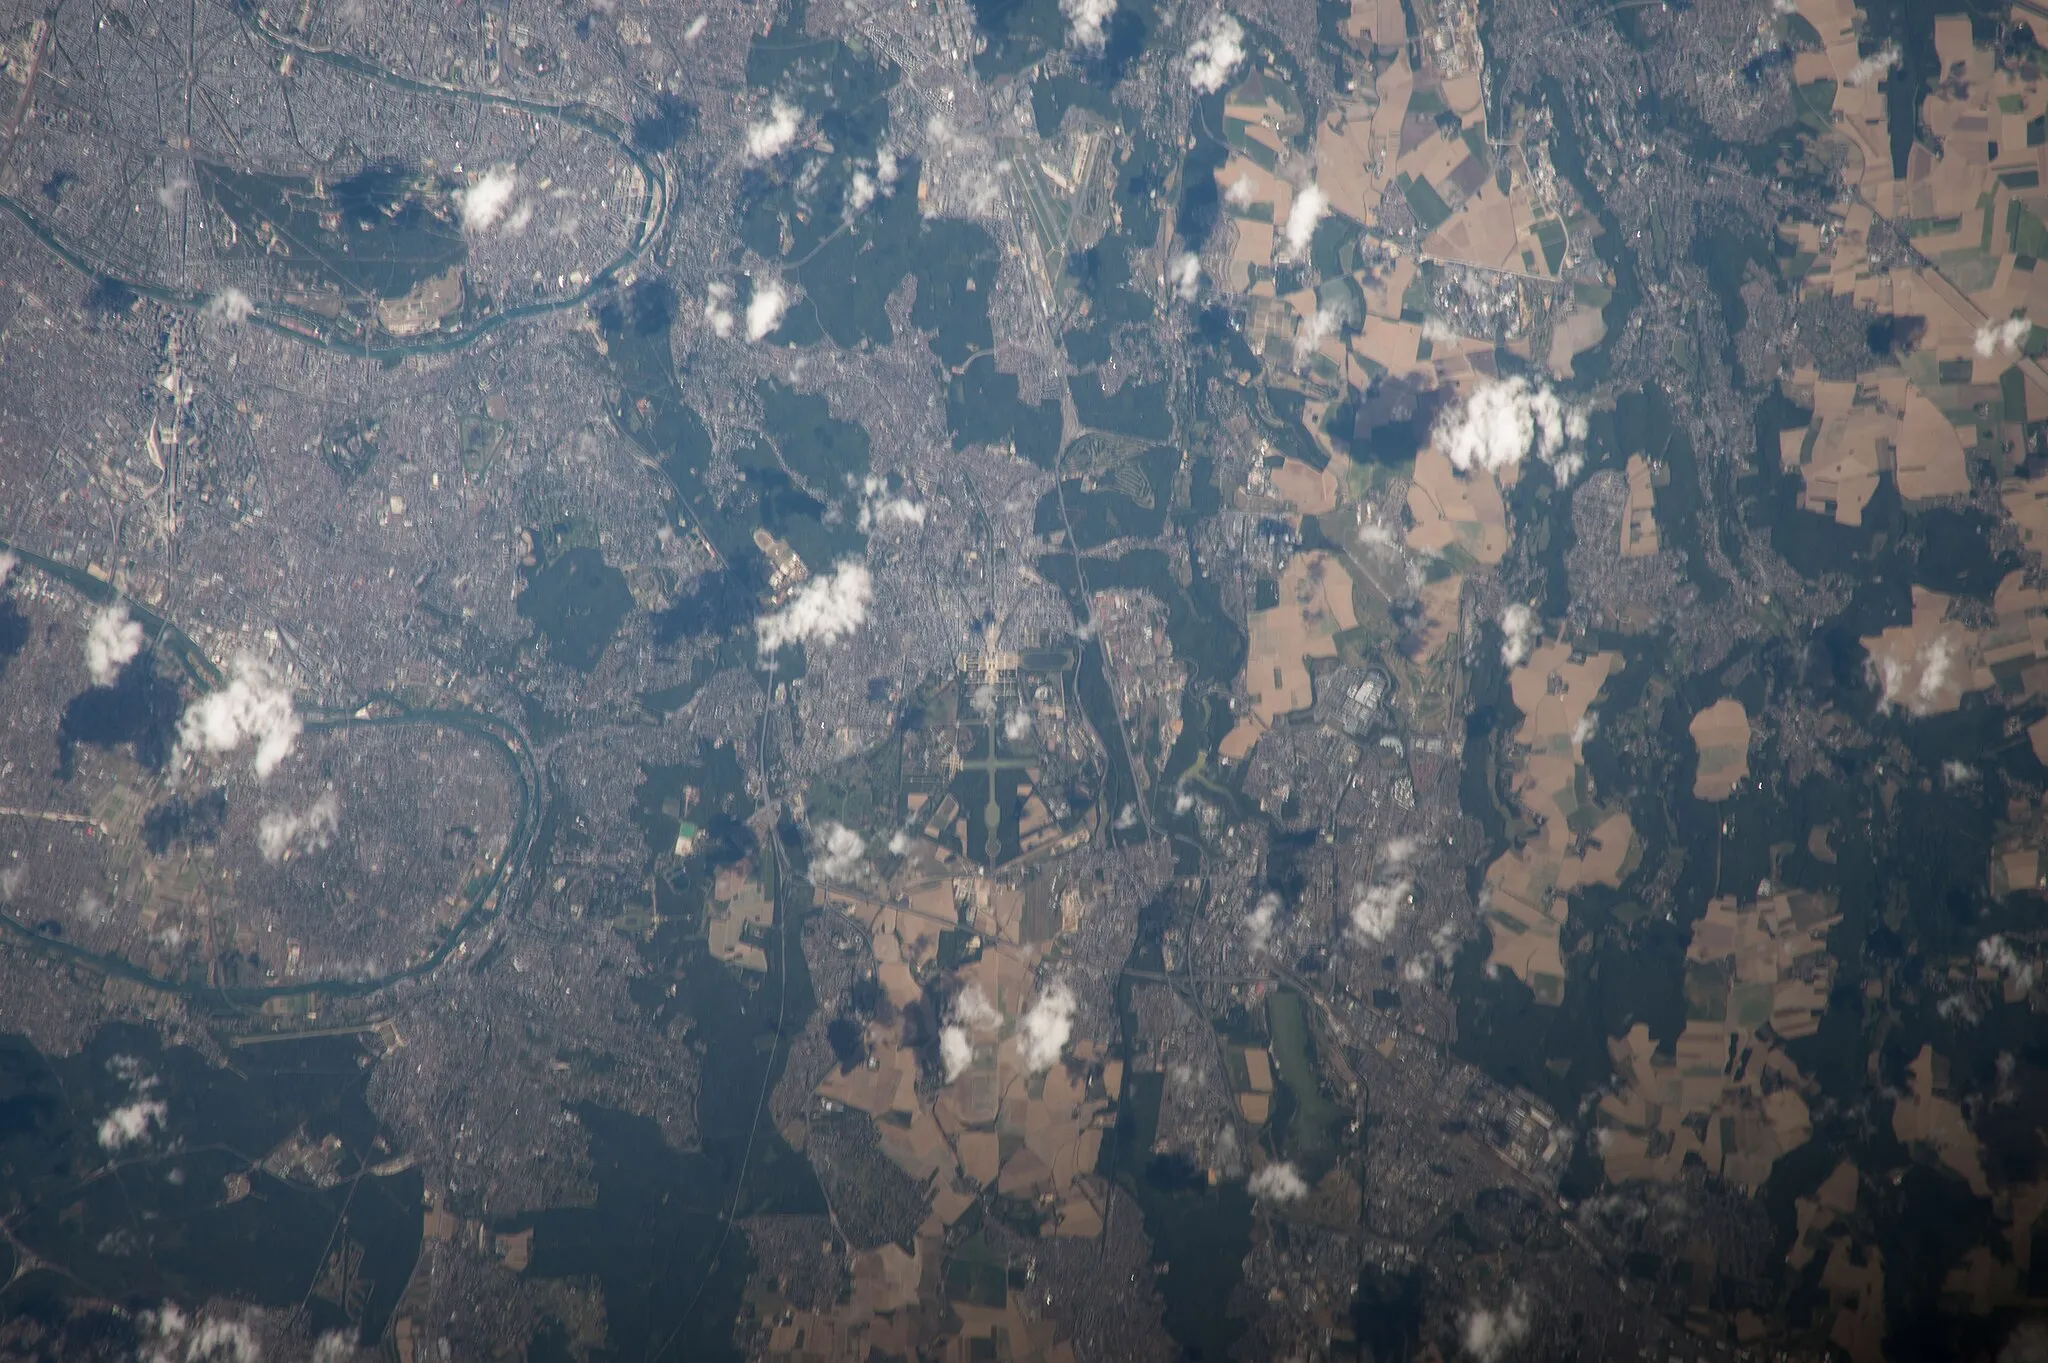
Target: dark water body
[
  {"x": 140, "y": 711},
  {"x": 158, "y": 1229}
]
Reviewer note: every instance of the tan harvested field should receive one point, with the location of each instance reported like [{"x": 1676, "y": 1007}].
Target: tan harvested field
[
  {"x": 1721, "y": 734},
  {"x": 1315, "y": 606},
  {"x": 1639, "y": 537},
  {"x": 1756, "y": 975}
]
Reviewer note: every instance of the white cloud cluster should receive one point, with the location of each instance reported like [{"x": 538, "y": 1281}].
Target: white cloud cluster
[
  {"x": 1503, "y": 421},
  {"x": 1278, "y": 1182},
  {"x": 718, "y": 310},
  {"x": 773, "y": 135},
  {"x": 1319, "y": 327},
  {"x": 230, "y": 305},
  {"x": 878, "y": 507},
  {"x": 223, "y": 1341},
  {"x": 1017, "y": 725},
  {"x": 823, "y": 611},
  {"x": 1588, "y": 725},
  {"x": 9, "y": 561},
  {"x": 766, "y": 308},
  {"x": 1379, "y": 908},
  {"x": 1490, "y": 1334},
  {"x": 483, "y": 204},
  {"x": 1997, "y": 953},
  {"x": 133, "y": 1121},
  {"x": 1047, "y": 1026},
  {"x": 1090, "y": 22},
  {"x": 839, "y": 852},
  {"x": 1918, "y": 687},
  {"x": 866, "y": 186},
  {"x": 1517, "y": 633},
  {"x": 111, "y": 641},
  {"x": 2028, "y": 1343},
  {"x": 1310, "y": 207},
  {"x": 1874, "y": 66},
  {"x": 971, "y": 1012},
  {"x": 254, "y": 707},
  {"x": 1187, "y": 276},
  {"x": 1215, "y": 53},
  {"x": 1258, "y": 924},
  {"x": 2008, "y": 336},
  {"x": 283, "y": 831},
  {"x": 1238, "y": 192}
]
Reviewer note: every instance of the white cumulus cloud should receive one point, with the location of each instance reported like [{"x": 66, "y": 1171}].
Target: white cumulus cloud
[
  {"x": 718, "y": 310},
  {"x": 1187, "y": 276},
  {"x": 9, "y": 561},
  {"x": 956, "y": 1052},
  {"x": 2007, "y": 336},
  {"x": 1874, "y": 66},
  {"x": 1998, "y": 953},
  {"x": 772, "y": 136},
  {"x": 283, "y": 831},
  {"x": 254, "y": 707},
  {"x": 823, "y": 611},
  {"x": 1258, "y": 924},
  {"x": 1278, "y": 1182},
  {"x": 972, "y": 1010},
  {"x": 1090, "y": 22},
  {"x": 1017, "y": 725},
  {"x": 1517, "y": 633},
  {"x": 1047, "y": 1027},
  {"x": 878, "y": 507},
  {"x": 765, "y": 308},
  {"x": 1314, "y": 331},
  {"x": 839, "y": 852},
  {"x": 1310, "y": 207},
  {"x": 485, "y": 202},
  {"x": 1379, "y": 909},
  {"x": 229, "y": 305},
  {"x": 111, "y": 640},
  {"x": 1503, "y": 421},
  {"x": 1215, "y": 53},
  {"x": 131, "y": 1123},
  {"x": 1490, "y": 1334}
]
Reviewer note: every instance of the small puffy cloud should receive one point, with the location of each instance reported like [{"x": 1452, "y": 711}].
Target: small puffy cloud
[
  {"x": 1488, "y": 1335},
  {"x": 1998, "y": 954},
  {"x": 111, "y": 640},
  {"x": 1957, "y": 773},
  {"x": 956, "y": 1052},
  {"x": 1995, "y": 336},
  {"x": 839, "y": 852},
  {"x": 1215, "y": 53},
  {"x": 1517, "y": 633},
  {"x": 229, "y": 305},
  {"x": 1047, "y": 1027},
  {"x": 1503, "y": 421},
  {"x": 765, "y": 308},
  {"x": 1919, "y": 681},
  {"x": 860, "y": 191},
  {"x": 1238, "y": 192},
  {"x": 1399, "y": 852},
  {"x": 254, "y": 707},
  {"x": 1310, "y": 207},
  {"x": 899, "y": 843},
  {"x": 878, "y": 507},
  {"x": 9, "y": 561},
  {"x": 1588, "y": 725},
  {"x": 694, "y": 30},
  {"x": 1126, "y": 818},
  {"x": 1187, "y": 276},
  {"x": 282, "y": 832},
  {"x": 1319, "y": 327},
  {"x": 223, "y": 1341},
  {"x": 1278, "y": 1182},
  {"x": 1258, "y": 924},
  {"x": 1379, "y": 909},
  {"x": 131, "y": 1123},
  {"x": 1874, "y": 66},
  {"x": 484, "y": 203},
  {"x": 1089, "y": 20},
  {"x": 972, "y": 1010},
  {"x": 773, "y": 135},
  {"x": 718, "y": 310},
  {"x": 823, "y": 611},
  {"x": 1017, "y": 725}
]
